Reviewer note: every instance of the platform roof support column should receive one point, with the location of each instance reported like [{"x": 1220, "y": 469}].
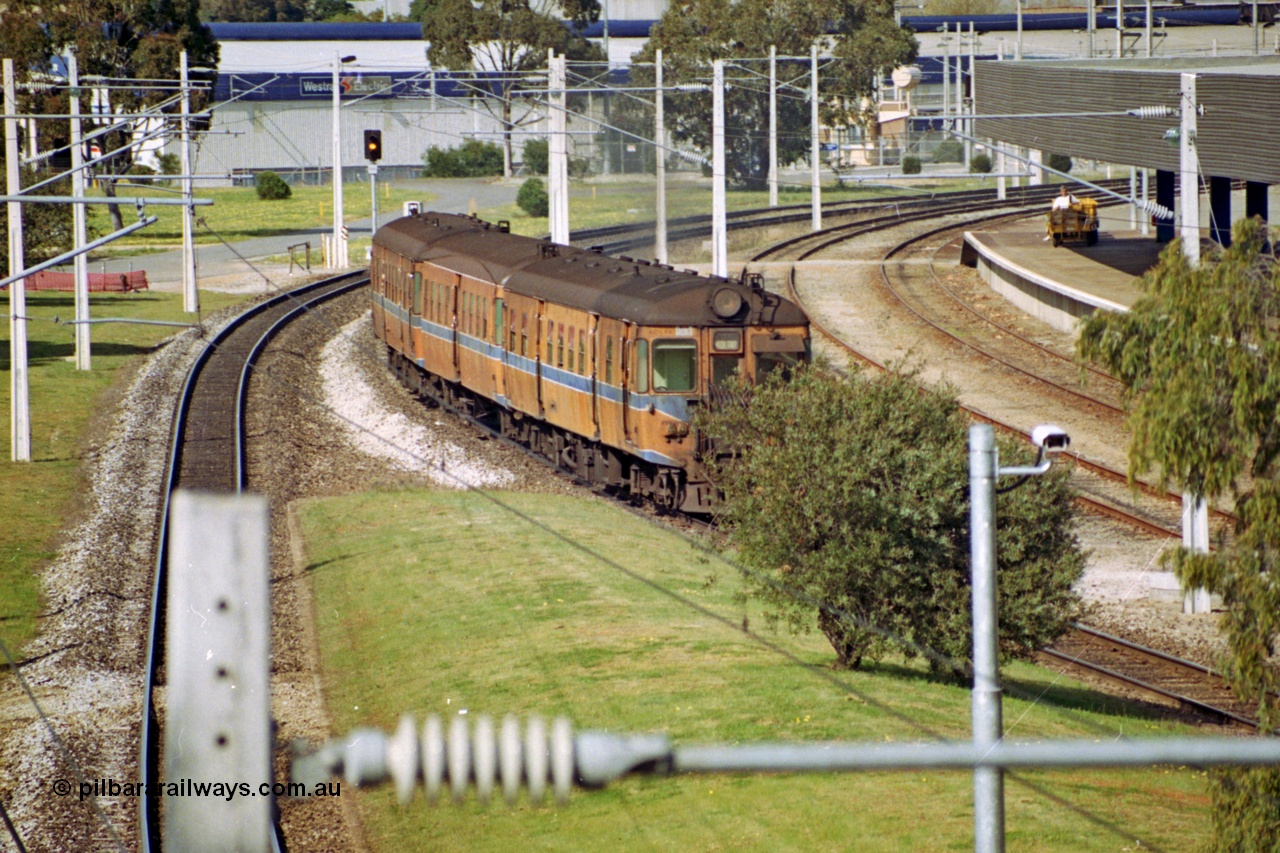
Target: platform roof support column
[
  {"x": 1164, "y": 198},
  {"x": 1255, "y": 200},
  {"x": 1037, "y": 174},
  {"x": 1220, "y": 210}
]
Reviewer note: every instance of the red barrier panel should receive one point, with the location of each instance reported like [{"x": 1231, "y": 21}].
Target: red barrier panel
[{"x": 99, "y": 282}]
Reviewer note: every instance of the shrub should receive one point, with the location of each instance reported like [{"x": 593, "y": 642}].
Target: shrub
[
  {"x": 1061, "y": 162},
  {"x": 532, "y": 198},
  {"x": 948, "y": 151},
  {"x": 472, "y": 159},
  {"x": 911, "y": 165},
  {"x": 869, "y": 513},
  {"x": 271, "y": 186},
  {"x": 537, "y": 154},
  {"x": 980, "y": 164}
]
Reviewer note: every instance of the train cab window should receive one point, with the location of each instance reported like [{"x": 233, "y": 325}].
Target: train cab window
[
  {"x": 417, "y": 293},
  {"x": 608, "y": 360},
  {"x": 675, "y": 366},
  {"x": 642, "y": 367},
  {"x": 723, "y": 368},
  {"x": 560, "y": 347},
  {"x": 571, "y": 362}
]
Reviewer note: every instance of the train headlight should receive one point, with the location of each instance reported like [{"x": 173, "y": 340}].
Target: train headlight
[{"x": 726, "y": 302}]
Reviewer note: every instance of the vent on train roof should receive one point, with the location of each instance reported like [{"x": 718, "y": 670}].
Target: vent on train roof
[{"x": 504, "y": 226}]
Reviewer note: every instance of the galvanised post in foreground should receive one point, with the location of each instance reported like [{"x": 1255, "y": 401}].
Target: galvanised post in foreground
[{"x": 988, "y": 782}]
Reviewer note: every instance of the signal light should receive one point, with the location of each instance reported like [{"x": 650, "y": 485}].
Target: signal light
[{"x": 373, "y": 145}]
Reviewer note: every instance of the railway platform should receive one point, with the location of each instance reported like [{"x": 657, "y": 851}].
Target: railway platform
[{"x": 1060, "y": 285}]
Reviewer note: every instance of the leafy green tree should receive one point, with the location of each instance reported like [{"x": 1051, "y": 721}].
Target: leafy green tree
[
  {"x": 121, "y": 41},
  {"x": 537, "y": 154},
  {"x": 853, "y": 491},
  {"x": 693, "y": 33},
  {"x": 980, "y": 164},
  {"x": 1061, "y": 162},
  {"x": 507, "y": 38},
  {"x": 1200, "y": 357},
  {"x": 279, "y": 11},
  {"x": 911, "y": 165}
]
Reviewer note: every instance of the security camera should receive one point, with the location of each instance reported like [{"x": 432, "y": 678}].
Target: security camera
[{"x": 1050, "y": 438}]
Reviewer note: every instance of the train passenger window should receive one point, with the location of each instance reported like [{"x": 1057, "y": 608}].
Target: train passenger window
[
  {"x": 582, "y": 354},
  {"x": 551, "y": 333},
  {"x": 417, "y": 293},
  {"x": 560, "y": 347},
  {"x": 571, "y": 368},
  {"x": 608, "y": 360},
  {"x": 675, "y": 366},
  {"x": 497, "y": 321},
  {"x": 524, "y": 334},
  {"x": 484, "y": 321}
]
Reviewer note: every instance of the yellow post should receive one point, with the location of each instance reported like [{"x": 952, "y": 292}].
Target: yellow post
[{"x": 386, "y": 188}]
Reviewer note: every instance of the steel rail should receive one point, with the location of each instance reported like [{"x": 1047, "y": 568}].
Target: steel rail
[{"x": 149, "y": 738}]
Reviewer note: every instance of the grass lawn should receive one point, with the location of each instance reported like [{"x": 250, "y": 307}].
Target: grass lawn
[
  {"x": 36, "y": 496},
  {"x": 435, "y": 602},
  {"x": 238, "y": 214}
]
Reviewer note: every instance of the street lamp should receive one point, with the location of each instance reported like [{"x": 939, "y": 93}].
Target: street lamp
[
  {"x": 338, "y": 257},
  {"x": 988, "y": 728}
]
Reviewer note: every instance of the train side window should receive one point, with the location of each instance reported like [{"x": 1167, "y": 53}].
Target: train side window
[
  {"x": 571, "y": 362},
  {"x": 497, "y": 321},
  {"x": 417, "y": 293},
  {"x": 551, "y": 345},
  {"x": 484, "y": 323},
  {"x": 560, "y": 347},
  {"x": 582, "y": 354},
  {"x": 524, "y": 334},
  {"x": 608, "y": 360},
  {"x": 642, "y": 367}
]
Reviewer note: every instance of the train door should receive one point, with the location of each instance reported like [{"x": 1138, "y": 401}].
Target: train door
[
  {"x": 537, "y": 352},
  {"x": 455, "y": 296},
  {"x": 498, "y": 357},
  {"x": 415, "y": 317},
  {"x": 625, "y": 375},
  {"x": 595, "y": 375}
]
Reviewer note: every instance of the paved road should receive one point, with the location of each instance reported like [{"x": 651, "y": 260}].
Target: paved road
[{"x": 164, "y": 269}]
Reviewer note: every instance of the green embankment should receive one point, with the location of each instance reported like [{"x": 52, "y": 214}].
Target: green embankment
[{"x": 436, "y": 602}]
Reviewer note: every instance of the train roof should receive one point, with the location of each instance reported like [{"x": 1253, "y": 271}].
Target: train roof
[{"x": 643, "y": 293}]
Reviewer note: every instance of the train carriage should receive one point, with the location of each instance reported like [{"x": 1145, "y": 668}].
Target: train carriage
[{"x": 596, "y": 362}]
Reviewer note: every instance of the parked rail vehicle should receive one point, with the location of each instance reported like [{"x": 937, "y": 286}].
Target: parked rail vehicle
[
  {"x": 595, "y": 362},
  {"x": 1075, "y": 223}
]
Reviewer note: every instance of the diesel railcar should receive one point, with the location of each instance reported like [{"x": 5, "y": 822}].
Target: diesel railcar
[{"x": 596, "y": 362}]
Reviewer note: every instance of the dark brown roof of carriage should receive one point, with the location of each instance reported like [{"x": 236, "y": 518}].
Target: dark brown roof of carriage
[{"x": 614, "y": 287}]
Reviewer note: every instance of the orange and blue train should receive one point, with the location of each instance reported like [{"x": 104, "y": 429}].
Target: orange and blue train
[{"x": 595, "y": 362}]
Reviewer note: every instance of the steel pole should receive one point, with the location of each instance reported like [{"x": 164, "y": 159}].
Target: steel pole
[
  {"x": 719, "y": 231},
  {"x": 773, "y": 126},
  {"x": 660, "y": 160},
  {"x": 84, "y": 358},
  {"x": 338, "y": 253},
  {"x": 988, "y": 782},
  {"x": 815, "y": 195},
  {"x": 190, "y": 296},
  {"x": 20, "y": 424}
]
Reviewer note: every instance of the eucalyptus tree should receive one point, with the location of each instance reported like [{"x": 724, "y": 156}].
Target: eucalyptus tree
[{"x": 1199, "y": 355}]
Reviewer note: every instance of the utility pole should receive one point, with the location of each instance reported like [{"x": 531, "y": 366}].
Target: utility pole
[
  {"x": 1195, "y": 512},
  {"x": 338, "y": 242},
  {"x": 719, "y": 230},
  {"x": 190, "y": 296},
  {"x": 773, "y": 125},
  {"x": 660, "y": 158},
  {"x": 558, "y": 150},
  {"x": 816, "y": 166},
  {"x": 20, "y": 427},
  {"x": 84, "y": 360}
]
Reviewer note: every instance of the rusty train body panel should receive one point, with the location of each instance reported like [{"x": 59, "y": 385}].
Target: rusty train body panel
[{"x": 596, "y": 362}]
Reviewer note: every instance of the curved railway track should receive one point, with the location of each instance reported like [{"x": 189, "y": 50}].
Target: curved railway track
[{"x": 207, "y": 454}]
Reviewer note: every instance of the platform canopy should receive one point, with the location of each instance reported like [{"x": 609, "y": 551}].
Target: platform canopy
[{"x": 1237, "y": 135}]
